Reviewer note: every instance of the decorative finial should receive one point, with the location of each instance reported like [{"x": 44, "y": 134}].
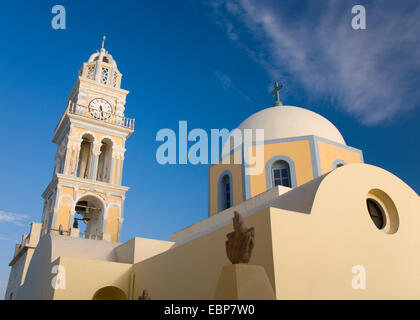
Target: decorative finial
[
  {"x": 240, "y": 242},
  {"x": 275, "y": 92},
  {"x": 103, "y": 42},
  {"x": 145, "y": 295}
]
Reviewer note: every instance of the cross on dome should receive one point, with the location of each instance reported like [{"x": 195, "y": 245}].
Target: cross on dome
[
  {"x": 275, "y": 92},
  {"x": 103, "y": 42}
]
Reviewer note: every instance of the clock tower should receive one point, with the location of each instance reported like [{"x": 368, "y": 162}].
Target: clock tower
[{"x": 86, "y": 190}]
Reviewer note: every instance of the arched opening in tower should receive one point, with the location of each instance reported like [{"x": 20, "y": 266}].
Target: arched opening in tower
[
  {"x": 85, "y": 157},
  {"x": 104, "y": 162},
  {"x": 91, "y": 212}
]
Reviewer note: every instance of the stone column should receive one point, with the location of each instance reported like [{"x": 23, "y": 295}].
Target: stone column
[
  {"x": 71, "y": 220},
  {"x": 73, "y": 148},
  {"x": 95, "y": 158}
]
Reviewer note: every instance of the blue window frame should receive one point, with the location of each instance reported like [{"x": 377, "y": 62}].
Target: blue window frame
[{"x": 280, "y": 173}]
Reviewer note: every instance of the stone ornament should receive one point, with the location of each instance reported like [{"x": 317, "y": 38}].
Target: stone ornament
[
  {"x": 144, "y": 295},
  {"x": 240, "y": 242}
]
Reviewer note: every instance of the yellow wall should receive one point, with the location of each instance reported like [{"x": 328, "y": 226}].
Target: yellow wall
[
  {"x": 192, "y": 270},
  {"x": 298, "y": 151},
  {"x": 215, "y": 172},
  {"x": 329, "y": 153},
  {"x": 314, "y": 253},
  {"x": 112, "y": 223},
  {"x": 85, "y": 277},
  {"x": 63, "y": 217}
]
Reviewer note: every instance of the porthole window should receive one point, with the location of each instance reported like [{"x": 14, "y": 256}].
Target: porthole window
[
  {"x": 382, "y": 211},
  {"x": 376, "y": 213}
]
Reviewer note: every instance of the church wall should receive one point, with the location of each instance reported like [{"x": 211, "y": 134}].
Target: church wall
[
  {"x": 314, "y": 255},
  {"x": 106, "y": 93},
  {"x": 114, "y": 198},
  {"x": 37, "y": 284},
  {"x": 114, "y": 169},
  {"x": 214, "y": 176},
  {"x": 192, "y": 270},
  {"x": 139, "y": 249},
  {"x": 113, "y": 222},
  {"x": 67, "y": 190},
  {"x": 329, "y": 153},
  {"x": 118, "y": 173},
  {"x": 85, "y": 183},
  {"x": 84, "y": 277},
  {"x": 18, "y": 273},
  {"x": 298, "y": 151},
  {"x": 65, "y": 207}
]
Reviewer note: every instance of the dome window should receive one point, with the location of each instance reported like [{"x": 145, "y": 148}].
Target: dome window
[
  {"x": 225, "y": 192},
  {"x": 280, "y": 174}
]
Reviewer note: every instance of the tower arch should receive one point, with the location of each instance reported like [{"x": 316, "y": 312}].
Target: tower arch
[
  {"x": 105, "y": 160},
  {"x": 85, "y": 156},
  {"x": 92, "y": 209}
]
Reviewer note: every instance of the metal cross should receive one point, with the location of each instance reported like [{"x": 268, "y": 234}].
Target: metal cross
[
  {"x": 103, "y": 42},
  {"x": 275, "y": 92}
]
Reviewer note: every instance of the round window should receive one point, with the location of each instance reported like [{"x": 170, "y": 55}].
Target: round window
[
  {"x": 382, "y": 211},
  {"x": 376, "y": 213}
]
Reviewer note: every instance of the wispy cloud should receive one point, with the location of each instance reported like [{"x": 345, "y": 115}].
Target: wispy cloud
[
  {"x": 372, "y": 74},
  {"x": 227, "y": 83},
  {"x": 11, "y": 217}
]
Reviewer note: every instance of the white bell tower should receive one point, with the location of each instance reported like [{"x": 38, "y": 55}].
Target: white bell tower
[{"x": 90, "y": 136}]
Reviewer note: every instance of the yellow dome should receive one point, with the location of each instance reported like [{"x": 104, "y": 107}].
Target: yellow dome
[{"x": 288, "y": 121}]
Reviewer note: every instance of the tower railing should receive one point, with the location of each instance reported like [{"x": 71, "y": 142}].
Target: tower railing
[
  {"x": 108, "y": 117},
  {"x": 72, "y": 233}
]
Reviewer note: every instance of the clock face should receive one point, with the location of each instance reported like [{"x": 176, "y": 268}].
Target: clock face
[{"x": 100, "y": 109}]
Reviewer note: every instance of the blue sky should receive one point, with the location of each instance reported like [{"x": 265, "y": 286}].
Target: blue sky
[{"x": 212, "y": 64}]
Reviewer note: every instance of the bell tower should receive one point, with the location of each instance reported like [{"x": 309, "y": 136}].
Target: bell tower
[{"x": 85, "y": 190}]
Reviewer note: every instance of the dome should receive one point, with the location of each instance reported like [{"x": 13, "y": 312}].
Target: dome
[
  {"x": 101, "y": 67},
  {"x": 104, "y": 56},
  {"x": 281, "y": 122}
]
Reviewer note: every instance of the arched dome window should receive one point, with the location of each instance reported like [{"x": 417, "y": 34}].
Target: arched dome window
[
  {"x": 280, "y": 174},
  {"x": 225, "y": 192}
]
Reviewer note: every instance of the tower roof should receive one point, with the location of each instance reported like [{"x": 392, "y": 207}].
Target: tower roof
[
  {"x": 103, "y": 56},
  {"x": 101, "y": 67}
]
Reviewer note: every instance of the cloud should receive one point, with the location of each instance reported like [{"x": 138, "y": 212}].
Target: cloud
[
  {"x": 227, "y": 83},
  {"x": 371, "y": 74},
  {"x": 15, "y": 218}
]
